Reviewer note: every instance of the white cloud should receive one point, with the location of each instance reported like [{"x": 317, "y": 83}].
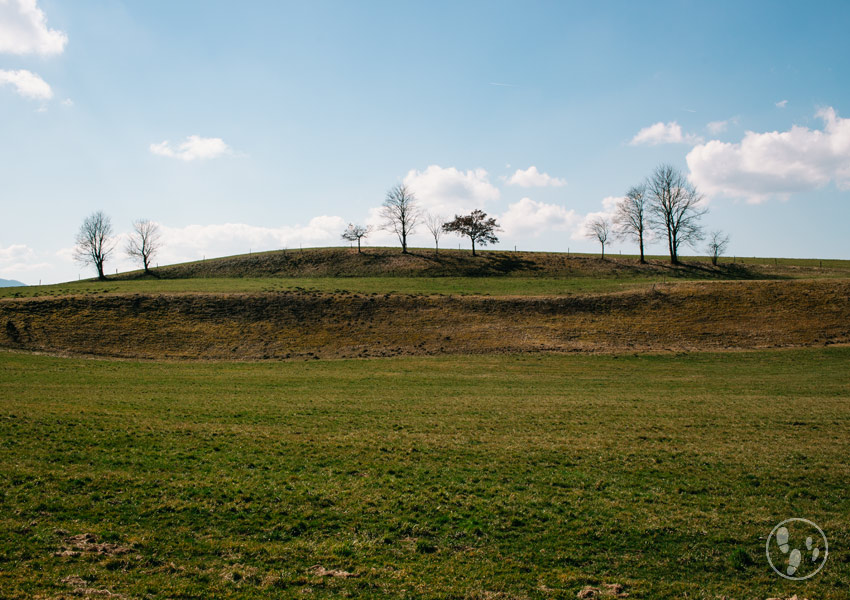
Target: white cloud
[
  {"x": 26, "y": 83},
  {"x": 531, "y": 177},
  {"x": 23, "y": 30},
  {"x": 19, "y": 259},
  {"x": 530, "y": 218},
  {"x": 782, "y": 104},
  {"x": 193, "y": 242},
  {"x": 15, "y": 253},
  {"x": 194, "y": 148},
  {"x": 449, "y": 191},
  {"x": 775, "y": 163},
  {"x": 664, "y": 133}
]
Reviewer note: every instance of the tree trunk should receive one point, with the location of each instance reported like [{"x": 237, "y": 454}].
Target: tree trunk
[
  {"x": 672, "y": 246},
  {"x": 358, "y": 245},
  {"x": 473, "y": 246},
  {"x": 603, "y": 251},
  {"x": 640, "y": 243}
]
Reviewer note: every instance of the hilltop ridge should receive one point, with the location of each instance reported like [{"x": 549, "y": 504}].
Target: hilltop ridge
[{"x": 390, "y": 262}]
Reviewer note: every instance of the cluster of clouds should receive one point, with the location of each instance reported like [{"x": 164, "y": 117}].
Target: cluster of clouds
[
  {"x": 24, "y": 31},
  {"x": 762, "y": 165},
  {"x": 447, "y": 191},
  {"x": 775, "y": 163},
  {"x": 757, "y": 167},
  {"x": 443, "y": 191}
]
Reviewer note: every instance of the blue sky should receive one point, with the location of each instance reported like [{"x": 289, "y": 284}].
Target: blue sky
[{"x": 262, "y": 125}]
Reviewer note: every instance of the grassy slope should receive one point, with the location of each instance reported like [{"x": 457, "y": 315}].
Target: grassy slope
[
  {"x": 486, "y": 477},
  {"x": 385, "y": 270},
  {"x": 334, "y": 302},
  {"x": 481, "y": 286},
  {"x": 381, "y": 262},
  {"x": 686, "y": 316}
]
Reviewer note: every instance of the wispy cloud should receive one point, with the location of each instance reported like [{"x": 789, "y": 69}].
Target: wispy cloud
[
  {"x": 782, "y": 104},
  {"x": 194, "y": 148},
  {"x": 715, "y": 127},
  {"x": 664, "y": 133}
]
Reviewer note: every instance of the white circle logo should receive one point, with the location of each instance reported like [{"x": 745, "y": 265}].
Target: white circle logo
[{"x": 796, "y": 549}]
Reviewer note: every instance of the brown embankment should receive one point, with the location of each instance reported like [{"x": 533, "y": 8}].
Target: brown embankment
[{"x": 672, "y": 317}]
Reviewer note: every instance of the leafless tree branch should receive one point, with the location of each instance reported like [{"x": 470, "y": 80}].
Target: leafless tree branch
[
  {"x": 674, "y": 209},
  {"x": 434, "y": 224},
  {"x": 718, "y": 242},
  {"x": 354, "y": 233},
  {"x": 144, "y": 242},
  {"x": 401, "y": 213},
  {"x": 600, "y": 229},
  {"x": 95, "y": 242},
  {"x": 630, "y": 219}
]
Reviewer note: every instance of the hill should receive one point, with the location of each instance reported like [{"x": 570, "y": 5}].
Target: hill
[
  {"x": 11, "y": 283},
  {"x": 389, "y": 262},
  {"x": 334, "y": 302}
]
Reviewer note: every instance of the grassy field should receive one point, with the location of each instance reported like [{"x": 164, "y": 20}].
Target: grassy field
[
  {"x": 483, "y": 286},
  {"x": 484, "y": 477}
]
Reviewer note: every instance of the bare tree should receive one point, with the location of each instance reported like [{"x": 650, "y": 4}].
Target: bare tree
[
  {"x": 354, "y": 233},
  {"x": 630, "y": 219},
  {"x": 674, "y": 209},
  {"x": 717, "y": 244},
  {"x": 435, "y": 223},
  {"x": 600, "y": 229},
  {"x": 94, "y": 242},
  {"x": 401, "y": 213},
  {"x": 144, "y": 242},
  {"x": 476, "y": 226}
]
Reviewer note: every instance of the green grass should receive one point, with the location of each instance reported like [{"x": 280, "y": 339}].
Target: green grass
[
  {"x": 492, "y": 286},
  {"x": 445, "y": 477},
  {"x": 385, "y": 270}
]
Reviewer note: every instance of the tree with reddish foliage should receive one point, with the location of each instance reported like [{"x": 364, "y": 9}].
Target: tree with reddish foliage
[{"x": 476, "y": 226}]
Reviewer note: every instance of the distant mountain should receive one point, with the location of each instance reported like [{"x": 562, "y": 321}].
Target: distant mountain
[{"x": 10, "y": 283}]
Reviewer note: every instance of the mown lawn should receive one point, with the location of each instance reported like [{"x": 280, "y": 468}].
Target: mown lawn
[{"x": 443, "y": 477}]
